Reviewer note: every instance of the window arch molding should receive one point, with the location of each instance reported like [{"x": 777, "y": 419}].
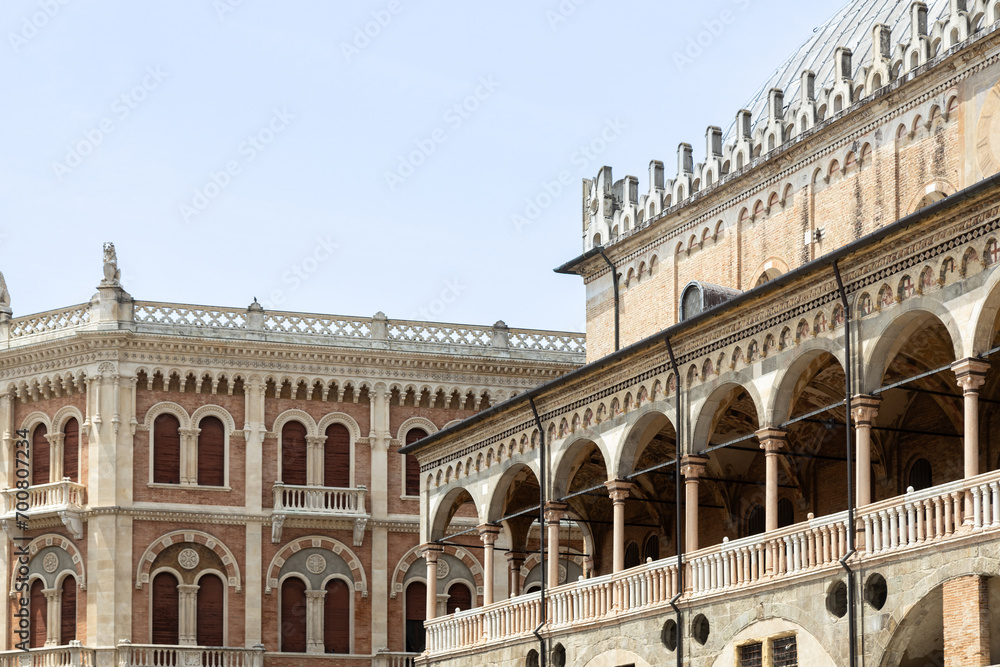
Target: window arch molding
[
  {"x": 228, "y": 430},
  {"x": 360, "y": 583},
  {"x": 232, "y": 578},
  {"x": 61, "y": 542},
  {"x": 425, "y": 425},
  {"x": 415, "y": 554},
  {"x": 63, "y": 415},
  {"x": 166, "y": 407},
  {"x": 293, "y": 415},
  {"x": 34, "y": 419}
]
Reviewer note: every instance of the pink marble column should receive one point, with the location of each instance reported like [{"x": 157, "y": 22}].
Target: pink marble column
[
  {"x": 488, "y": 534},
  {"x": 771, "y": 441},
  {"x": 864, "y": 409},
  {"x": 554, "y": 513},
  {"x": 431, "y": 553},
  {"x": 971, "y": 374},
  {"x": 692, "y": 467},
  {"x": 515, "y": 559},
  {"x": 618, "y": 490}
]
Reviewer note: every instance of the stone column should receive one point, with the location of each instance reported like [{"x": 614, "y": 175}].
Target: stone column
[
  {"x": 554, "y": 513},
  {"x": 771, "y": 441},
  {"x": 864, "y": 409},
  {"x": 380, "y": 441},
  {"x": 53, "y": 616},
  {"x": 189, "y": 455},
  {"x": 515, "y": 559},
  {"x": 971, "y": 374},
  {"x": 488, "y": 534},
  {"x": 253, "y": 431},
  {"x": 314, "y": 460},
  {"x": 314, "y": 622},
  {"x": 56, "y": 442},
  {"x": 618, "y": 490},
  {"x": 431, "y": 553},
  {"x": 188, "y": 602},
  {"x": 966, "y": 622},
  {"x": 692, "y": 467}
]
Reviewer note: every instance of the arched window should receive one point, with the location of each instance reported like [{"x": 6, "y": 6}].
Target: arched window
[
  {"x": 165, "y": 609},
  {"x": 337, "y": 462},
  {"x": 755, "y": 521},
  {"x": 786, "y": 513},
  {"x": 651, "y": 549},
  {"x": 211, "y": 455},
  {"x": 459, "y": 597},
  {"x": 416, "y": 612},
  {"x": 293, "y": 454},
  {"x": 293, "y": 616},
  {"x": 40, "y": 456},
  {"x": 67, "y": 629},
  {"x": 336, "y": 617},
  {"x": 632, "y": 555},
  {"x": 920, "y": 475},
  {"x": 211, "y": 607},
  {"x": 71, "y": 450},
  {"x": 412, "y": 465},
  {"x": 166, "y": 450},
  {"x": 38, "y": 608}
]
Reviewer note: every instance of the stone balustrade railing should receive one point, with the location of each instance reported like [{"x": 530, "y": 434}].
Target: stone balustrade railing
[
  {"x": 325, "y": 500},
  {"x": 45, "y": 498},
  {"x": 890, "y": 526},
  {"x": 393, "y": 659},
  {"x": 375, "y": 332},
  {"x": 55, "y": 656},
  {"x": 150, "y": 655}
]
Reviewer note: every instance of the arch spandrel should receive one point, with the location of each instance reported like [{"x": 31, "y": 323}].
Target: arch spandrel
[
  {"x": 983, "y": 316},
  {"x": 443, "y": 508},
  {"x": 563, "y": 463},
  {"x": 645, "y": 425},
  {"x": 780, "y": 390},
  {"x": 708, "y": 412}
]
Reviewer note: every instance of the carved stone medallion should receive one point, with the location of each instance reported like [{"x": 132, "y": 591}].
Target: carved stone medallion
[
  {"x": 188, "y": 559},
  {"x": 315, "y": 563}
]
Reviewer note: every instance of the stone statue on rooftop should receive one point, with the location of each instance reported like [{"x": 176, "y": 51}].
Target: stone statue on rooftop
[{"x": 112, "y": 274}]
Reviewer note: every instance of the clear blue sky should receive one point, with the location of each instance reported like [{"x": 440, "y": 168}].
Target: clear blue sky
[{"x": 242, "y": 148}]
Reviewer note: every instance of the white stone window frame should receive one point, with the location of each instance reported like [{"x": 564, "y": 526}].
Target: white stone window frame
[
  {"x": 350, "y": 611},
  {"x": 228, "y": 426},
  {"x": 29, "y": 424},
  {"x": 413, "y": 422},
  {"x": 57, "y": 443},
  {"x": 225, "y": 600},
  {"x": 188, "y": 432}
]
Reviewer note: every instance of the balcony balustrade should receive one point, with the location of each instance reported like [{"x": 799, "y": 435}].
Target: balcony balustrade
[
  {"x": 886, "y": 528},
  {"x": 46, "y": 498}
]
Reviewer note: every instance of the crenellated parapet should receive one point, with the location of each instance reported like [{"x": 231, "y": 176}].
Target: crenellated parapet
[{"x": 839, "y": 69}]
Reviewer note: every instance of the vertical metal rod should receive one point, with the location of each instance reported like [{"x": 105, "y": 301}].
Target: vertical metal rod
[
  {"x": 543, "y": 619},
  {"x": 851, "y": 629},
  {"x": 678, "y": 503}
]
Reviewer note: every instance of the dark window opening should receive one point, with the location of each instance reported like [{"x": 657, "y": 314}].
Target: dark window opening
[
  {"x": 786, "y": 513},
  {"x": 632, "y": 555},
  {"x": 752, "y": 655},
  {"x": 337, "y": 462},
  {"x": 651, "y": 549},
  {"x": 293, "y": 454},
  {"x": 920, "y": 475},
  {"x": 416, "y": 611},
  {"x": 166, "y": 450},
  {"x": 755, "y": 521},
  {"x": 39, "y": 456},
  {"x": 293, "y": 616},
  {"x": 784, "y": 652},
  {"x": 165, "y": 609},
  {"x": 412, "y": 465},
  {"x": 211, "y": 455},
  {"x": 71, "y": 450}
]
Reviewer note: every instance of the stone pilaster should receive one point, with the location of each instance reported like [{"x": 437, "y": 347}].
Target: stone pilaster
[
  {"x": 314, "y": 622},
  {"x": 254, "y": 431},
  {"x": 379, "y": 439}
]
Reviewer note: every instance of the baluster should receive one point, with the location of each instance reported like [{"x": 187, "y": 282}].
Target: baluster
[
  {"x": 995, "y": 488},
  {"x": 987, "y": 506},
  {"x": 977, "y": 512}
]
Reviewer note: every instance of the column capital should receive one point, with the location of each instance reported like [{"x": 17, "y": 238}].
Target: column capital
[
  {"x": 315, "y": 440},
  {"x": 970, "y": 373},
  {"x": 516, "y": 558},
  {"x": 315, "y": 595},
  {"x": 488, "y": 532},
  {"x": 864, "y": 409},
  {"x": 189, "y": 589},
  {"x": 772, "y": 439},
  {"x": 431, "y": 552},
  {"x": 555, "y": 511},
  {"x": 618, "y": 489},
  {"x": 693, "y": 465}
]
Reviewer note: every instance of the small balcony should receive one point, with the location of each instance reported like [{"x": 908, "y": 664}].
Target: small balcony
[
  {"x": 292, "y": 501},
  {"x": 65, "y": 499},
  {"x": 152, "y": 655},
  {"x": 73, "y": 655}
]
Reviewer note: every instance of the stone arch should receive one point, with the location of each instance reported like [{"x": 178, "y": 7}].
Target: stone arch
[
  {"x": 36, "y": 418},
  {"x": 63, "y": 415},
  {"x": 704, "y": 422},
  {"x": 933, "y": 192},
  {"x": 984, "y": 315},
  {"x": 642, "y": 422},
  {"x": 616, "y": 657},
  {"x": 166, "y": 407},
  {"x": 442, "y": 505},
  {"x": 747, "y": 626},
  {"x": 413, "y": 555},
  {"x": 781, "y": 392},
  {"x": 772, "y": 267},
  {"x": 317, "y": 542},
  {"x": 887, "y": 342},
  {"x": 212, "y": 410},
  {"x": 563, "y": 462},
  {"x": 195, "y": 537},
  {"x": 61, "y": 542},
  {"x": 293, "y": 415},
  {"x": 415, "y": 422},
  {"x": 340, "y": 418},
  {"x": 499, "y": 489}
]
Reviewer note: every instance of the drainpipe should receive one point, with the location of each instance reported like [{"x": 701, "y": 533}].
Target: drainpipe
[
  {"x": 678, "y": 506},
  {"x": 614, "y": 281},
  {"x": 542, "y": 657},
  {"x": 851, "y": 629}
]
